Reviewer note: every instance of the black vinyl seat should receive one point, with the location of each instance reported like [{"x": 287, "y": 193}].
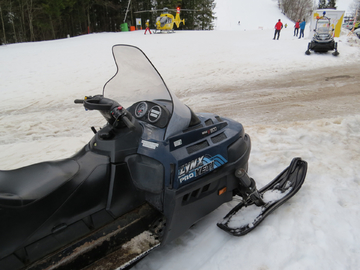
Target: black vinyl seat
[{"x": 22, "y": 186}]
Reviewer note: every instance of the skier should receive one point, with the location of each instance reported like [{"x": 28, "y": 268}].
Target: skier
[
  {"x": 302, "y": 28},
  {"x": 278, "y": 27},
  {"x": 147, "y": 27},
  {"x": 297, "y": 26}
]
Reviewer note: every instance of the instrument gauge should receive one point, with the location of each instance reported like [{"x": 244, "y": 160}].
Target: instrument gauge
[
  {"x": 141, "y": 109},
  {"x": 154, "y": 114}
]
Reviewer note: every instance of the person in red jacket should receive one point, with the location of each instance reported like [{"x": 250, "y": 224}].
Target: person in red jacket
[
  {"x": 278, "y": 27},
  {"x": 147, "y": 27},
  {"x": 297, "y": 26}
]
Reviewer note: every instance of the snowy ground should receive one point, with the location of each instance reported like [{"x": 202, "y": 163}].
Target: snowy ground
[
  {"x": 256, "y": 15},
  {"x": 297, "y": 114}
]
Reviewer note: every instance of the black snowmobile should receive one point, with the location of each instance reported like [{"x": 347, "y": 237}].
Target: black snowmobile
[
  {"x": 152, "y": 171},
  {"x": 323, "y": 40}
]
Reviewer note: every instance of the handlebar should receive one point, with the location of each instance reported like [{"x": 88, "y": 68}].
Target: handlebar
[
  {"x": 122, "y": 114},
  {"x": 112, "y": 111},
  {"x": 127, "y": 122},
  {"x": 96, "y": 103},
  {"x": 78, "y": 101}
]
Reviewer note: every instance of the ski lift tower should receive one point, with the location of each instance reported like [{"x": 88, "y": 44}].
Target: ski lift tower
[{"x": 124, "y": 27}]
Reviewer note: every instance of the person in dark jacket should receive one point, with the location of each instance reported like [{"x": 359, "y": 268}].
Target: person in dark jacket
[
  {"x": 278, "y": 27},
  {"x": 296, "y": 30},
  {"x": 302, "y": 28}
]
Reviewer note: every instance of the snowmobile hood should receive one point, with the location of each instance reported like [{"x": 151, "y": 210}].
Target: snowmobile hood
[{"x": 137, "y": 79}]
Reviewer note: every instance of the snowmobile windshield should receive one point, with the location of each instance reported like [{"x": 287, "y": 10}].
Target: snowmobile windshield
[
  {"x": 323, "y": 27},
  {"x": 137, "y": 79}
]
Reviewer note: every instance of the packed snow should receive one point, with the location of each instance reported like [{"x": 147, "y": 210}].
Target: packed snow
[
  {"x": 318, "y": 228},
  {"x": 275, "y": 195},
  {"x": 246, "y": 216},
  {"x": 244, "y": 15}
]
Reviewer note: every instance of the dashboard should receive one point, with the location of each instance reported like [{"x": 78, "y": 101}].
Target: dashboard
[{"x": 154, "y": 113}]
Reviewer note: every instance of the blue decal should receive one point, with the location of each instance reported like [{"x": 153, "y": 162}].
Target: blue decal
[
  {"x": 218, "y": 159},
  {"x": 200, "y": 166}
]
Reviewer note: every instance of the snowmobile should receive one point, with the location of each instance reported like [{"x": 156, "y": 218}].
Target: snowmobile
[
  {"x": 323, "y": 40},
  {"x": 150, "y": 173}
]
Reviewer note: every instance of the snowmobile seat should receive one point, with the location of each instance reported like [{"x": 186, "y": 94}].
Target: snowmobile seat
[{"x": 22, "y": 186}]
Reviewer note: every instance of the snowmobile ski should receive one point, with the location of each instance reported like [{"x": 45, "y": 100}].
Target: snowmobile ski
[{"x": 250, "y": 212}]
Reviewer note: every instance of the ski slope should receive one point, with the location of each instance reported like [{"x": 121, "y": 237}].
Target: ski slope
[
  {"x": 253, "y": 15},
  {"x": 256, "y": 15},
  {"x": 212, "y": 71}
]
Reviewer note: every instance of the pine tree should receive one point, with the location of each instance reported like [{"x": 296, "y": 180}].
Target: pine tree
[
  {"x": 201, "y": 16},
  {"x": 331, "y": 4},
  {"x": 204, "y": 14},
  {"x": 35, "y": 20},
  {"x": 322, "y": 4}
]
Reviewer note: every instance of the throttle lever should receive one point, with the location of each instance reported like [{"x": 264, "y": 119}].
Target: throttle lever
[
  {"x": 127, "y": 122},
  {"x": 120, "y": 112}
]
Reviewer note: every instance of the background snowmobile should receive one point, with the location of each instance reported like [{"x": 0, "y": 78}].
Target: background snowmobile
[
  {"x": 323, "y": 40},
  {"x": 147, "y": 176}
]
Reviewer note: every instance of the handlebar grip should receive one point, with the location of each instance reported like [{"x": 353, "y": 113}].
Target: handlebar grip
[
  {"x": 127, "y": 122},
  {"x": 79, "y": 101},
  {"x": 90, "y": 105}
]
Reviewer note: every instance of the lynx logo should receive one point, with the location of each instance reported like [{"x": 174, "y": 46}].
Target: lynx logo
[
  {"x": 187, "y": 177},
  {"x": 200, "y": 166},
  {"x": 187, "y": 167},
  {"x": 205, "y": 168}
]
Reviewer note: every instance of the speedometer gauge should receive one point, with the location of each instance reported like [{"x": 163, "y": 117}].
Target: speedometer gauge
[
  {"x": 154, "y": 114},
  {"x": 141, "y": 109}
]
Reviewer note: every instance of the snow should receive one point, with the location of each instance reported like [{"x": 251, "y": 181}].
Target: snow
[
  {"x": 249, "y": 214},
  {"x": 316, "y": 229},
  {"x": 244, "y": 217},
  {"x": 275, "y": 195},
  {"x": 229, "y": 13},
  {"x": 141, "y": 242},
  {"x": 257, "y": 14}
]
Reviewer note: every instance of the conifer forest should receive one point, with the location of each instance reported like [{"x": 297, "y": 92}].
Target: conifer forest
[{"x": 36, "y": 20}]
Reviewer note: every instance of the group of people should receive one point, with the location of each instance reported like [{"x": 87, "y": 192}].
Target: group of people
[
  {"x": 298, "y": 25},
  {"x": 301, "y": 26}
]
